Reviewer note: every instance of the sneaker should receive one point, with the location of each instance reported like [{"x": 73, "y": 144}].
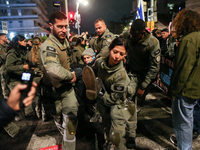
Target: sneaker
[
  {"x": 195, "y": 135},
  {"x": 92, "y": 84},
  {"x": 96, "y": 118},
  {"x": 173, "y": 140},
  {"x": 130, "y": 143},
  {"x": 59, "y": 126},
  {"x": 21, "y": 131}
]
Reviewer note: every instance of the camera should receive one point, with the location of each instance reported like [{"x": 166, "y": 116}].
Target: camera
[{"x": 26, "y": 78}]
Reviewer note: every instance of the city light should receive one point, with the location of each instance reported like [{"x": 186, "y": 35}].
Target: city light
[{"x": 11, "y": 36}]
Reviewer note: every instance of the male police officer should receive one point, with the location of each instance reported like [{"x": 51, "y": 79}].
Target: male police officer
[
  {"x": 143, "y": 63},
  {"x": 105, "y": 37},
  {"x": 3, "y": 51},
  {"x": 57, "y": 76}
]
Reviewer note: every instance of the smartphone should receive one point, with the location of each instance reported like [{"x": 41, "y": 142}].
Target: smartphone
[{"x": 26, "y": 78}]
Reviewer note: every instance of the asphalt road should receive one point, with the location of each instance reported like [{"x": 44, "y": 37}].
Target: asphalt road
[{"x": 153, "y": 131}]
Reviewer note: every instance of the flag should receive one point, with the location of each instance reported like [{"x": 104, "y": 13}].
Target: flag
[{"x": 140, "y": 10}]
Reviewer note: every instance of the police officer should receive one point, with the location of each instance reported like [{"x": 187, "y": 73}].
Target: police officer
[
  {"x": 58, "y": 77},
  {"x": 105, "y": 37},
  {"x": 3, "y": 51},
  {"x": 143, "y": 63},
  {"x": 113, "y": 102}
]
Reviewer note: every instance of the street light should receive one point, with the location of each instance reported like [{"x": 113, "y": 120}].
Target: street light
[{"x": 77, "y": 16}]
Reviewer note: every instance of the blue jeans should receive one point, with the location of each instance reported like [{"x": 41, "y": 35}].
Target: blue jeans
[
  {"x": 182, "y": 119},
  {"x": 196, "y": 125}
]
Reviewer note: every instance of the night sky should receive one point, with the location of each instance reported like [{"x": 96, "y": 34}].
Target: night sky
[{"x": 109, "y": 10}]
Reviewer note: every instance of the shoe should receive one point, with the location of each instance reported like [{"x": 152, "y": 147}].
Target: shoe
[
  {"x": 59, "y": 126},
  {"x": 96, "y": 118},
  {"x": 173, "y": 140},
  {"x": 92, "y": 84},
  {"x": 138, "y": 109},
  {"x": 21, "y": 131},
  {"x": 130, "y": 143},
  {"x": 195, "y": 135}
]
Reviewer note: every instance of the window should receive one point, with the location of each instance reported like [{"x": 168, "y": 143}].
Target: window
[{"x": 21, "y": 23}]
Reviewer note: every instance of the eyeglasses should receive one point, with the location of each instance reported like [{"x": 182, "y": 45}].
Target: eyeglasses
[{"x": 61, "y": 27}]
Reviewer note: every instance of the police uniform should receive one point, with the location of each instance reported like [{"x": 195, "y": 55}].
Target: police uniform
[
  {"x": 102, "y": 43},
  {"x": 57, "y": 75},
  {"x": 118, "y": 88},
  {"x": 77, "y": 56},
  {"x": 143, "y": 61},
  {"x": 3, "y": 51},
  {"x": 14, "y": 69}
]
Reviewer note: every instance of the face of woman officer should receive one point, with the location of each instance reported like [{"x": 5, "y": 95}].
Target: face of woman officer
[{"x": 117, "y": 51}]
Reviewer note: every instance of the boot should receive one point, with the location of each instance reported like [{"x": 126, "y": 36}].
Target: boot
[{"x": 93, "y": 85}]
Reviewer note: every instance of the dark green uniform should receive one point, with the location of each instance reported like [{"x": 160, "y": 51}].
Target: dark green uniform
[
  {"x": 101, "y": 44},
  {"x": 37, "y": 78},
  {"x": 143, "y": 61},
  {"x": 14, "y": 69},
  {"x": 57, "y": 76},
  {"x": 77, "y": 56},
  {"x": 118, "y": 88},
  {"x": 3, "y": 51}
]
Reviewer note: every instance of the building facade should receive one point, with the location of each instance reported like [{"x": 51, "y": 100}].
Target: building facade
[{"x": 25, "y": 17}]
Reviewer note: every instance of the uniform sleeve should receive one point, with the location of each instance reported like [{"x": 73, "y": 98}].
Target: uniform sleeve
[
  {"x": 51, "y": 63},
  {"x": 184, "y": 63},
  {"x": 11, "y": 66},
  {"x": 154, "y": 63},
  {"x": 78, "y": 57},
  {"x": 118, "y": 89},
  {"x": 104, "y": 52}
]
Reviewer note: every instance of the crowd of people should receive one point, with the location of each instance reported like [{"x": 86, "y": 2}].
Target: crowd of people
[{"x": 106, "y": 78}]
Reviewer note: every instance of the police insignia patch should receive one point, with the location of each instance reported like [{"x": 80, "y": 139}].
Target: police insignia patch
[
  {"x": 109, "y": 40},
  {"x": 157, "y": 52},
  {"x": 157, "y": 59},
  {"x": 51, "y": 49},
  {"x": 118, "y": 88}
]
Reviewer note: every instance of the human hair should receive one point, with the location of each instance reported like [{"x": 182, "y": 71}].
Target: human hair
[
  {"x": 186, "y": 21},
  {"x": 79, "y": 41},
  {"x": 35, "y": 48},
  {"x": 14, "y": 43},
  {"x": 99, "y": 20},
  {"x": 138, "y": 25},
  {"x": 57, "y": 15},
  {"x": 118, "y": 41}
]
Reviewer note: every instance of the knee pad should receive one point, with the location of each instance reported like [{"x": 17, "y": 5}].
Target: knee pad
[
  {"x": 114, "y": 137},
  {"x": 72, "y": 123}
]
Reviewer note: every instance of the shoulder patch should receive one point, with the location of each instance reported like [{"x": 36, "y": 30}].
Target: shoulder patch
[
  {"x": 157, "y": 52},
  {"x": 118, "y": 88},
  {"x": 109, "y": 40},
  {"x": 51, "y": 49},
  {"x": 108, "y": 36}
]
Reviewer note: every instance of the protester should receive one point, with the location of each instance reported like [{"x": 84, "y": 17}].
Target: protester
[
  {"x": 185, "y": 83},
  {"x": 9, "y": 107},
  {"x": 164, "y": 42}
]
